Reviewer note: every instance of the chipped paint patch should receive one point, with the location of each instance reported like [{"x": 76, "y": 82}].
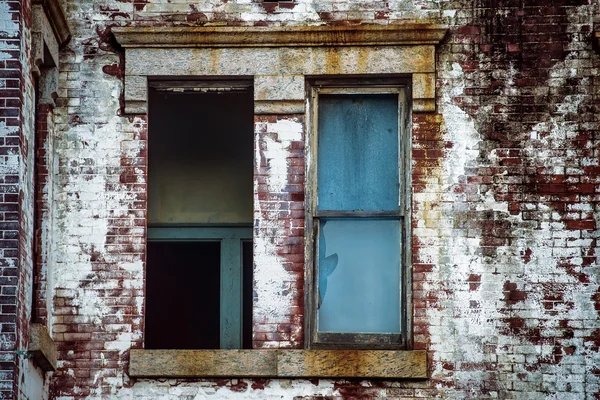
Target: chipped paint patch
[{"x": 272, "y": 295}]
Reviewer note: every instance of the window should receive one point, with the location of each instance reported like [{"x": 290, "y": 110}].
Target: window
[
  {"x": 200, "y": 191},
  {"x": 357, "y": 215}
]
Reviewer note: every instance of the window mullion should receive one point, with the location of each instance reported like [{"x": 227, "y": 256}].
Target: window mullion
[{"x": 231, "y": 290}]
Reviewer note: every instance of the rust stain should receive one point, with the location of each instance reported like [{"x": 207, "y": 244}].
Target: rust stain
[
  {"x": 363, "y": 59},
  {"x": 332, "y": 61}
]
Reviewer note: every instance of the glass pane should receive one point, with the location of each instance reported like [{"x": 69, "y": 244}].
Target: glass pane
[
  {"x": 358, "y": 152},
  {"x": 359, "y": 276}
]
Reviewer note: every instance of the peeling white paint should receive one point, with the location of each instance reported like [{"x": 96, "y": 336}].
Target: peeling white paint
[
  {"x": 271, "y": 279},
  {"x": 204, "y": 390}
]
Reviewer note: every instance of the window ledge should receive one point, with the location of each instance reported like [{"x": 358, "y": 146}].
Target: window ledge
[
  {"x": 42, "y": 347},
  {"x": 388, "y": 364}
]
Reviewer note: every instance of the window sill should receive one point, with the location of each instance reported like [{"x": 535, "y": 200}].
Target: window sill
[{"x": 388, "y": 364}]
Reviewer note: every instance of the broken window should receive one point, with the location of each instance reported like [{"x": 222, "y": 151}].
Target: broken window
[
  {"x": 200, "y": 191},
  {"x": 358, "y": 214}
]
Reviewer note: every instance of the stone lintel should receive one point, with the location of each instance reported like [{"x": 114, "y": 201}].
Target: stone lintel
[
  {"x": 49, "y": 32},
  {"x": 136, "y": 88},
  {"x": 287, "y": 36},
  {"x": 279, "y": 58},
  {"x": 272, "y": 107},
  {"x": 423, "y": 105},
  {"x": 44, "y": 43},
  {"x": 423, "y": 92},
  {"x": 42, "y": 347},
  {"x": 279, "y": 87},
  {"x": 136, "y": 107},
  {"x": 277, "y": 363}
]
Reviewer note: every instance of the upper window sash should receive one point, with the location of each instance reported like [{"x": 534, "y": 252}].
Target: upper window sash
[{"x": 320, "y": 208}]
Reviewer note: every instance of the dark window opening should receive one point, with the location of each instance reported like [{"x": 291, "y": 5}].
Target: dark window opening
[
  {"x": 200, "y": 191},
  {"x": 180, "y": 277}
]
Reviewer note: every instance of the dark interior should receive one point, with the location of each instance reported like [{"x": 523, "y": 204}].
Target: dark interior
[{"x": 182, "y": 295}]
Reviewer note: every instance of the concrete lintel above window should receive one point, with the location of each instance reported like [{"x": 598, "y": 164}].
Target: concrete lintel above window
[
  {"x": 280, "y": 58},
  {"x": 278, "y": 363}
]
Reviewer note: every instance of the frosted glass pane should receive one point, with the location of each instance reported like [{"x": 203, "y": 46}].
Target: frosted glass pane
[
  {"x": 358, "y": 152},
  {"x": 359, "y": 275}
]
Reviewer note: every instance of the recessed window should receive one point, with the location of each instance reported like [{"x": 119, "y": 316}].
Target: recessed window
[
  {"x": 358, "y": 217},
  {"x": 200, "y": 191}
]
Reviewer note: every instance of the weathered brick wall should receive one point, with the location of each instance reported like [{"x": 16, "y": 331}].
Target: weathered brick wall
[
  {"x": 43, "y": 216},
  {"x": 279, "y": 244},
  {"x": 505, "y": 205},
  {"x": 10, "y": 121},
  {"x": 29, "y": 381},
  {"x": 514, "y": 246},
  {"x": 18, "y": 376}
]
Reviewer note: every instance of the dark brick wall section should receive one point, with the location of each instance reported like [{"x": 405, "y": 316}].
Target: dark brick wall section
[
  {"x": 10, "y": 122},
  {"x": 43, "y": 159}
]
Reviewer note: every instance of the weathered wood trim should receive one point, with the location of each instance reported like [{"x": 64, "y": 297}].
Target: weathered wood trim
[
  {"x": 328, "y": 340},
  {"x": 287, "y": 36},
  {"x": 42, "y": 347},
  {"x": 278, "y": 363},
  {"x": 357, "y": 214}
]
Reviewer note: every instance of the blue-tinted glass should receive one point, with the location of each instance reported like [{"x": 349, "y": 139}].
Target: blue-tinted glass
[
  {"x": 359, "y": 275},
  {"x": 358, "y": 152}
]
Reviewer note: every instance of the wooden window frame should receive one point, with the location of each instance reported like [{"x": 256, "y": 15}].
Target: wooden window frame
[
  {"x": 230, "y": 299},
  {"x": 370, "y": 341}
]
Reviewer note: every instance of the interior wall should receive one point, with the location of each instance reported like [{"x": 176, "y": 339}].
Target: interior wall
[{"x": 200, "y": 157}]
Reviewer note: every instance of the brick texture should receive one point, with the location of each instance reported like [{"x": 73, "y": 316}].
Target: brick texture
[
  {"x": 505, "y": 204},
  {"x": 10, "y": 124}
]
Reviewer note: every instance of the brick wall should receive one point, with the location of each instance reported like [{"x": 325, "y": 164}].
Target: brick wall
[
  {"x": 18, "y": 376},
  {"x": 504, "y": 197},
  {"x": 278, "y": 309},
  {"x": 43, "y": 201},
  {"x": 10, "y": 121}
]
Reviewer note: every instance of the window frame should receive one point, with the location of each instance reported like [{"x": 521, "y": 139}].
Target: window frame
[
  {"x": 231, "y": 238},
  {"x": 329, "y": 340}
]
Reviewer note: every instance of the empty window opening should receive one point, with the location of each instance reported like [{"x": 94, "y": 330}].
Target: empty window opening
[{"x": 200, "y": 190}]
